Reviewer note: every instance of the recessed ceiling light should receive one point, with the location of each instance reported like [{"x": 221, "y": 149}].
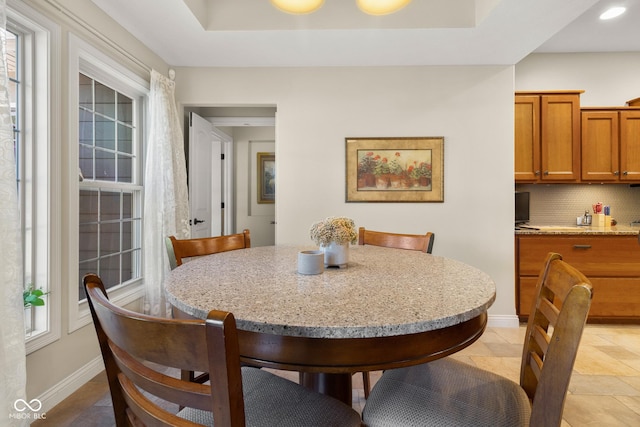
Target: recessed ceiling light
[
  {"x": 613, "y": 12},
  {"x": 298, "y": 7},
  {"x": 381, "y": 7}
]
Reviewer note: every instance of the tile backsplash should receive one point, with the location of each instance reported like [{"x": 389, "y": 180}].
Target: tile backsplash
[{"x": 560, "y": 204}]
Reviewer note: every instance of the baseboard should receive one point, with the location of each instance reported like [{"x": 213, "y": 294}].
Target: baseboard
[
  {"x": 503, "y": 321},
  {"x": 69, "y": 385}
]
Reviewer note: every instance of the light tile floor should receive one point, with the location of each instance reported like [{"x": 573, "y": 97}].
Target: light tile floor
[{"x": 604, "y": 389}]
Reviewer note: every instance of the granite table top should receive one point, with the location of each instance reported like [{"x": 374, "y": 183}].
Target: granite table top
[{"x": 382, "y": 292}]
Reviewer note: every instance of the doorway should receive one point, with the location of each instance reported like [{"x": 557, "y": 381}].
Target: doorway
[{"x": 252, "y": 130}]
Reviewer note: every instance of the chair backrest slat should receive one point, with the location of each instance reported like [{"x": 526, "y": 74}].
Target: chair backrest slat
[
  {"x": 413, "y": 242},
  {"x": 548, "y": 310},
  {"x": 178, "y": 249},
  {"x": 541, "y": 339},
  {"x": 166, "y": 387},
  {"x": 141, "y": 409},
  {"x": 553, "y": 335},
  {"x": 535, "y": 364}
]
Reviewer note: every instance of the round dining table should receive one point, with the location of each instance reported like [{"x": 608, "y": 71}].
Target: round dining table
[{"x": 388, "y": 308}]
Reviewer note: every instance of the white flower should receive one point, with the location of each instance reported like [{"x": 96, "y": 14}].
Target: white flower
[{"x": 337, "y": 229}]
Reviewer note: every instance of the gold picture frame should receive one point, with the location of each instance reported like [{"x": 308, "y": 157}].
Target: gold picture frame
[
  {"x": 266, "y": 177},
  {"x": 395, "y": 169}
]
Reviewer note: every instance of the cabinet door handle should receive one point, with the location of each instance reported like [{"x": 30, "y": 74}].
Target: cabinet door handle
[
  {"x": 625, "y": 173},
  {"x": 616, "y": 173},
  {"x": 537, "y": 173},
  {"x": 581, "y": 246},
  {"x": 546, "y": 172}
]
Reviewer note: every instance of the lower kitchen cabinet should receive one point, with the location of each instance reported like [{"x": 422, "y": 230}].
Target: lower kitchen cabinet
[{"x": 611, "y": 262}]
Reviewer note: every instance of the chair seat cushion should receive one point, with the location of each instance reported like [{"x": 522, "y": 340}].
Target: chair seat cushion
[
  {"x": 445, "y": 392},
  {"x": 270, "y": 400}
]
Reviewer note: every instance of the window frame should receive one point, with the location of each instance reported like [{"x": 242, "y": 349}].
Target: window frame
[
  {"x": 40, "y": 119},
  {"x": 84, "y": 58}
]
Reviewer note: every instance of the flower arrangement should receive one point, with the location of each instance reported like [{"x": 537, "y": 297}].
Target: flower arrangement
[
  {"x": 338, "y": 229},
  {"x": 382, "y": 167},
  {"x": 384, "y": 163},
  {"x": 421, "y": 170},
  {"x": 367, "y": 163},
  {"x": 394, "y": 165}
]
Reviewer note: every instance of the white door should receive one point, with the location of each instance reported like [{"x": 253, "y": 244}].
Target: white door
[{"x": 205, "y": 178}]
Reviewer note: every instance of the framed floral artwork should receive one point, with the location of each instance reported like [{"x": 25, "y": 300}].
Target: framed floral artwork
[
  {"x": 266, "y": 177},
  {"x": 395, "y": 169}
]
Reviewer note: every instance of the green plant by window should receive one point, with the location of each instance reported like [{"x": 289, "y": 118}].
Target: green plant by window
[{"x": 33, "y": 297}]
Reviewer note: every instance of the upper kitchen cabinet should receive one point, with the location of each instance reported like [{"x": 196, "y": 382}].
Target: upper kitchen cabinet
[
  {"x": 611, "y": 144},
  {"x": 547, "y": 136}
]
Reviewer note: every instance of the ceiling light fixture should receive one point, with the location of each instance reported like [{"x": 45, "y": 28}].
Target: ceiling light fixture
[
  {"x": 613, "y": 12},
  {"x": 371, "y": 7},
  {"x": 298, "y": 7},
  {"x": 381, "y": 7}
]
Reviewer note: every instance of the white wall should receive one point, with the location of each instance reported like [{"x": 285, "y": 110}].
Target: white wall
[
  {"x": 608, "y": 79},
  {"x": 472, "y": 107}
]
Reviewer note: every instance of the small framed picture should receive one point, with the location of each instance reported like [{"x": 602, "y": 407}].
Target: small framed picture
[{"x": 266, "y": 177}]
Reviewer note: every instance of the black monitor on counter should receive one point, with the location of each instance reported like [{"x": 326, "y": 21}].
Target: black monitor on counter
[{"x": 522, "y": 207}]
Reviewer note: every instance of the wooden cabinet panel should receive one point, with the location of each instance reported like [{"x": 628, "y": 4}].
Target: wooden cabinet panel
[
  {"x": 526, "y": 293},
  {"x": 615, "y": 297},
  {"x": 612, "y": 264},
  {"x": 560, "y": 137},
  {"x": 630, "y": 145},
  {"x": 612, "y": 297},
  {"x": 547, "y": 136},
  {"x": 594, "y": 256},
  {"x": 600, "y": 160},
  {"x": 610, "y": 144},
  {"x": 527, "y": 138}
]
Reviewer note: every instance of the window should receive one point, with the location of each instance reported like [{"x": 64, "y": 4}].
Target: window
[
  {"x": 110, "y": 193},
  {"x": 106, "y": 127},
  {"x": 32, "y": 56},
  {"x": 24, "y": 169}
]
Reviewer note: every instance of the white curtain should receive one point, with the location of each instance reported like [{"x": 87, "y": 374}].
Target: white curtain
[
  {"x": 13, "y": 376},
  {"x": 166, "y": 202}
]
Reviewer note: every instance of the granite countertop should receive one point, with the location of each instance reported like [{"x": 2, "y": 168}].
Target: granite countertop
[
  {"x": 382, "y": 292},
  {"x": 617, "y": 230}
]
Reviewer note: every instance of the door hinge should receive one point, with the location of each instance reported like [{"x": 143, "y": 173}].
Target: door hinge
[
  {"x": 222, "y": 156},
  {"x": 222, "y": 205}
]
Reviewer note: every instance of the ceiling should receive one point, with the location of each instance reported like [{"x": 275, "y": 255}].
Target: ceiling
[{"x": 252, "y": 33}]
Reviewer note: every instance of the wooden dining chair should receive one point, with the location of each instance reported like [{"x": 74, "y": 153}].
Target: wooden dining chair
[
  {"x": 449, "y": 392},
  {"x": 413, "y": 242},
  {"x": 178, "y": 249},
  {"x": 141, "y": 351}
]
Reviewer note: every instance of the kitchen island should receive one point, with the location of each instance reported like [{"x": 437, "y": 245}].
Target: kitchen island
[{"x": 609, "y": 257}]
